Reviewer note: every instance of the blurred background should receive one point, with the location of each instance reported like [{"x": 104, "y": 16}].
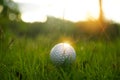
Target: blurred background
[{"x": 73, "y": 18}]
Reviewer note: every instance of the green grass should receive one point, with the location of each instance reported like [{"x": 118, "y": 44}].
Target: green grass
[
  {"x": 28, "y": 59},
  {"x": 25, "y": 49}
]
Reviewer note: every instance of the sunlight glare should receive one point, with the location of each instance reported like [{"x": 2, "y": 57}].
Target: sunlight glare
[
  {"x": 111, "y": 10},
  {"x": 81, "y": 10},
  {"x": 28, "y": 17},
  {"x": 66, "y": 45},
  {"x": 72, "y": 10}
]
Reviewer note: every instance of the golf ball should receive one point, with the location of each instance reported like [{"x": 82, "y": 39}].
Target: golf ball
[{"x": 62, "y": 53}]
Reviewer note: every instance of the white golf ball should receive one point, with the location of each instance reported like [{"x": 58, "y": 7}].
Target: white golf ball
[{"x": 62, "y": 53}]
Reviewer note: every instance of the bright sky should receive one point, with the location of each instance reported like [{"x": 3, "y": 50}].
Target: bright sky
[{"x": 73, "y": 10}]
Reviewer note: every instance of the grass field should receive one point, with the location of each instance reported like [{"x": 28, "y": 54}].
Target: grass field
[{"x": 28, "y": 59}]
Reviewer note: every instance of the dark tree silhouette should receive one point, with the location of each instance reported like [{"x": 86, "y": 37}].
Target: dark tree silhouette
[
  {"x": 101, "y": 17},
  {"x": 8, "y": 7}
]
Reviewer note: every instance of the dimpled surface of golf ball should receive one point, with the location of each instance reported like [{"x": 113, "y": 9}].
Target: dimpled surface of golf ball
[{"x": 62, "y": 53}]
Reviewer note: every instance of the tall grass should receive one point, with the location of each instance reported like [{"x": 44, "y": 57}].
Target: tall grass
[
  {"x": 28, "y": 59},
  {"x": 25, "y": 49}
]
